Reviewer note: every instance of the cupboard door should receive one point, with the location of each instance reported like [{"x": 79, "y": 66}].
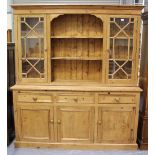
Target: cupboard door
[
  {"x": 122, "y": 49},
  {"x": 36, "y": 122},
  {"x": 32, "y": 49},
  {"x": 75, "y": 124},
  {"x": 116, "y": 124}
]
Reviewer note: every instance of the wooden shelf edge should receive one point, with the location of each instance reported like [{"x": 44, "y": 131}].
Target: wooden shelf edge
[
  {"x": 74, "y": 58},
  {"x": 100, "y": 87},
  {"x": 76, "y": 37}
]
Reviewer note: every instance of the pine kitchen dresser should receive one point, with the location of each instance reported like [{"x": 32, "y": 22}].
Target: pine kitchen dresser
[{"x": 76, "y": 75}]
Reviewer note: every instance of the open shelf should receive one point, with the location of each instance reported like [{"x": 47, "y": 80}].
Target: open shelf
[
  {"x": 85, "y": 48},
  {"x": 76, "y": 49},
  {"x": 77, "y": 25},
  {"x": 77, "y": 70}
]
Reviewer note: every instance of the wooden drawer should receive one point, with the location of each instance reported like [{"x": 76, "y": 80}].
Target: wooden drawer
[
  {"x": 34, "y": 98},
  {"x": 78, "y": 98},
  {"x": 103, "y": 98}
]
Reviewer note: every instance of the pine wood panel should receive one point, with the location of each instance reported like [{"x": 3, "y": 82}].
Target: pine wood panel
[
  {"x": 78, "y": 48},
  {"x": 75, "y": 124},
  {"x": 116, "y": 124},
  {"x": 77, "y": 70},
  {"x": 35, "y": 123}
]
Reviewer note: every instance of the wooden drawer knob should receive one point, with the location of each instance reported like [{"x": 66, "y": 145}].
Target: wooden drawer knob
[
  {"x": 75, "y": 99},
  {"x": 59, "y": 121},
  {"x": 35, "y": 98},
  {"x": 99, "y": 122},
  {"x": 117, "y": 99},
  {"x": 52, "y": 121}
]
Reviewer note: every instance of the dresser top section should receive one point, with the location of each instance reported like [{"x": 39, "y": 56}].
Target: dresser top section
[{"x": 75, "y": 88}]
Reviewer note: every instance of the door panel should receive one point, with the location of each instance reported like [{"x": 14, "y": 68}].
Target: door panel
[
  {"x": 36, "y": 123},
  {"x": 116, "y": 124},
  {"x": 32, "y": 50},
  {"x": 75, "y": 124},
  {"x": 121, "y": 53}
]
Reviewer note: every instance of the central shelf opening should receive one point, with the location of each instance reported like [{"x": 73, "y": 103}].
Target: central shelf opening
[{"x": 76, "y": 48}]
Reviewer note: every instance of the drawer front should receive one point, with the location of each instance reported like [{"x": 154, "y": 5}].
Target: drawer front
[
  {"x": 116, "y": 99},
  {"x": 76, "y": 98},
  {"x": 34, "y": 98}
]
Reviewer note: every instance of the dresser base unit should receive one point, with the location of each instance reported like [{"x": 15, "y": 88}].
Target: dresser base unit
[{"x": 74, "y": 117}]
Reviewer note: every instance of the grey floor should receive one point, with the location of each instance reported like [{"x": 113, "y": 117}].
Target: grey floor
[{"x": 23, "y": 151}]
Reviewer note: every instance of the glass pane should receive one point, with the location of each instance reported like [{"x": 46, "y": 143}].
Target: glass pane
[
  {"x": 25, "y": 66},
  {"x": 131, "y": 49},
  {"x": 121, "y": 49},
  {"x": 33, "y": 74},
  {"x": 41, "y": 19},
  {"x": 113, "y": 29},
  {"x": 132, "y": 19},
  {"x": 32, "y": 34},
  {"x": 42, "y": 47},
  {"x": 32, "y": 21},
  {"x": 32, "y": 48},
  {"x": 112, "y": 67},
  {"x": 111, "y": 49},
  {"x": 121, "y": 27},
  {"x": 129, "y": 29},
  {"x": 120, "y": 75},
  {"x": 39, "y": 29},
  {"x": 24, "y": 29},
  {"x": 40, "y": 66},
  {"x": 122, "y": 21},
  {"x": 22, "y": 19},
  {"x": 127, "y": 67},
  {"x": 23, "y": 47}
]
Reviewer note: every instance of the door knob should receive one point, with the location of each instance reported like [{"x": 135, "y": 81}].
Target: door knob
[
  {"x": 59, "y": 121},
  {"x": 52, "y": 121},
  {"x": 117, "y": 99},
  {"x": 99, "y": 122},
  {"x": 34, "y": 98}
]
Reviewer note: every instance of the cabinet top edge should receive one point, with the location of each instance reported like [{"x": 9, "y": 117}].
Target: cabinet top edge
[
  {"x": 76, "y": 5},
  {"x": 75, "y": 88}
]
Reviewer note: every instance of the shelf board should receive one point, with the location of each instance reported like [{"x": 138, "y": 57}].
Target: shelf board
[
  {"x": 80, "y": 37},
  {"x": 75, "y": 58}
]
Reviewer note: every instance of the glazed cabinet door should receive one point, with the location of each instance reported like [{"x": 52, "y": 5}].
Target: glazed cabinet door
[
  {"x": 122, "y": 51},
  {"x": 32, "y": 52},
  {"x": 75, "y": 124},
  {"x": 35, "y": 122},
  {"x": 116, "y": 124}
]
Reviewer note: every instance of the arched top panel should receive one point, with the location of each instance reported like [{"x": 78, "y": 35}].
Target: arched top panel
[{"x": 84, "y": 25}]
